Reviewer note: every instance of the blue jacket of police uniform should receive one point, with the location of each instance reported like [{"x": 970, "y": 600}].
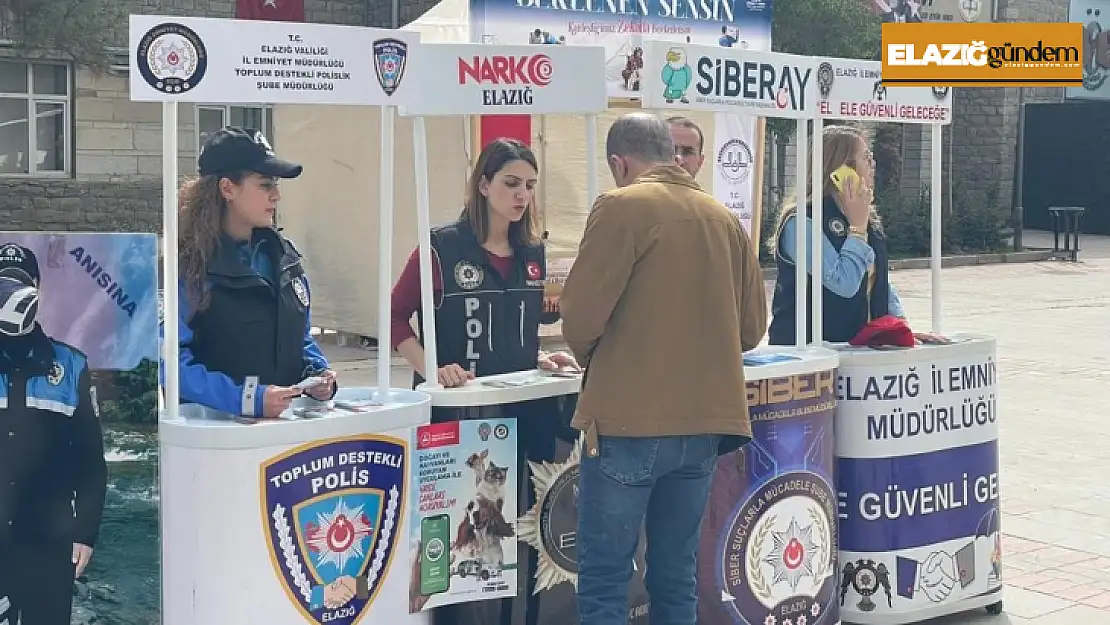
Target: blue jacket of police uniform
[
  {"x": 53, "y": 477},
  {"x": 256, "y": 330}
]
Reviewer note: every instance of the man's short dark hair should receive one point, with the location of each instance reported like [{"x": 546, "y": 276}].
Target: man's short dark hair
[
  {"x": 642, "y": 136},
  {"x": 685, "y": 122}
]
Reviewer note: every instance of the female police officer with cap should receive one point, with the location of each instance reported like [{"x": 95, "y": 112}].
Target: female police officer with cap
[
  {"x": 53, "y": 478},
  {"x": 244, "y": 328}
]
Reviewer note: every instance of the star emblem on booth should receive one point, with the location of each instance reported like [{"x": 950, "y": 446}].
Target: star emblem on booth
[{"x": 791, "y": 558}]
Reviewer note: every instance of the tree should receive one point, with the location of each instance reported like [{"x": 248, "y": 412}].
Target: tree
[
  {"x": 78, "y": 30},
  {"x": 846, "y": 29}
]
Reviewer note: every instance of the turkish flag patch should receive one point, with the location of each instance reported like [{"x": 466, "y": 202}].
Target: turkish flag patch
[{"x": 533, "y": 269}]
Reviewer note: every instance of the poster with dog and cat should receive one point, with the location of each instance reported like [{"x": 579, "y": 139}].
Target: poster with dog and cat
[{"x": 464, "y": 508}]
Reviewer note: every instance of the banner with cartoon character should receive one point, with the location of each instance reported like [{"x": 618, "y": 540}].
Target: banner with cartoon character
[
  {"x": 917, "y": 447},
  {"x": 333, "y": 511},
  {"x": 98, "y": 292},
  {"x": 464, "y": 504},
  {"x": 768, "y": 544},
  {"x": 711, "y": 78},
  {"x": 622, "y": 28},
  {"x": 1096, "y": 49}
]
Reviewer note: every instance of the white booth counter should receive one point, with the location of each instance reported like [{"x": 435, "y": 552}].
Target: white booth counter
[
  {"x": 507, "y": 388},
  {"x": 288, "y": 520},
  {"x": 917, "y": 468}
]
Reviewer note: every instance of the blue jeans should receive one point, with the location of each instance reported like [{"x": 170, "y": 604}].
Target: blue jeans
[{"x": 664, "y": 481}]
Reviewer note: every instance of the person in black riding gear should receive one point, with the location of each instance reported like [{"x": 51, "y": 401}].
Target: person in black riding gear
[{"x": 53, "y": 477}]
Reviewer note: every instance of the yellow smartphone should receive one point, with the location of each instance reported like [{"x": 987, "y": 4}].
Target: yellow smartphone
[{"x": 843, "y": 174}]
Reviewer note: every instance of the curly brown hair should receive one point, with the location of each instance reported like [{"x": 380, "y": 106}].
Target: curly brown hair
[{"x": 201, "y": 213}]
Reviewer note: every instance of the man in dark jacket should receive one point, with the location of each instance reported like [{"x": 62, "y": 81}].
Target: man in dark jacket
[{"x": 53, "y": 477}]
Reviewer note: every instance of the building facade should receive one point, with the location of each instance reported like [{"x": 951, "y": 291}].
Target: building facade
[
  {"x": 77, "y": 154},
  {"x": 97, "y": 155}
]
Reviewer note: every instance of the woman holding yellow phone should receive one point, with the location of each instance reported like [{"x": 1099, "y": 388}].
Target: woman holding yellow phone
[{"x": 854, "y": 255}]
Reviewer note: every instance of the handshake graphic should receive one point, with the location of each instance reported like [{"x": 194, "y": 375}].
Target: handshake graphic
[{"x": 938, "y": 575}]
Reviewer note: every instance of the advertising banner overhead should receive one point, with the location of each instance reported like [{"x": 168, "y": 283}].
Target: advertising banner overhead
[
  {"x": 476, "y": 79},
  {"x": 622, "y": 27},
  {"x": 712, "y": 78},
  {"x": 854, "y": 90}
]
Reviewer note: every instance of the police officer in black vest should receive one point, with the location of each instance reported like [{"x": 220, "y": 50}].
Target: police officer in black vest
[
  {"x": 53, "y": 477},
  {"x": 489, "y": 269},
  {"x": 856, "y": 286},
  {"x": 244, "y": 318}
]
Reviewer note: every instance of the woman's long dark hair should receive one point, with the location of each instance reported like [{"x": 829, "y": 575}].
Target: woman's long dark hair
[
  {"x": 202, "y": 209},
  {"x": 494, "y": 157}
]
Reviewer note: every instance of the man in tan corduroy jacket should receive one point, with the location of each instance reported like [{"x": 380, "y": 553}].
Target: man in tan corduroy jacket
[{"x": 664, "y": 297}]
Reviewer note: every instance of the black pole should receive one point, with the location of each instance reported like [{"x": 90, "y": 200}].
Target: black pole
[{"x": 1017, "y": 210}]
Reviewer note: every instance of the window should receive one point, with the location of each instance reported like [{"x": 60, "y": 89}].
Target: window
[
  {"x": 212, "y": 117},
  {"x": 34, "y": 118}
]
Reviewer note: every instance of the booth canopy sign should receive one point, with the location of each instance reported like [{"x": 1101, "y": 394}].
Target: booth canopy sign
[
  {"x": 472, "y": 79},
  {"x": 710, "y": 78},
  {"x": 853, "y": 90},
  {"x": 188, "y": 59}
]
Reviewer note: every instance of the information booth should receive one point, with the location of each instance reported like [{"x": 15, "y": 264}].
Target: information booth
[
  {"x": 769, "y": 540},
  {"x": 530, "y": 563},
  {"x": 916, "y": 428},
  {"x": 303, "y": 517}
]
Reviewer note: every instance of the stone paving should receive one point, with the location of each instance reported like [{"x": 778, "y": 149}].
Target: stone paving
[{"x": 1052, "y": 323}]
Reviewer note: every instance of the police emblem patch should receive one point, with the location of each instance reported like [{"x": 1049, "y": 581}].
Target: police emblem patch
[
  {"x": 57, "y": 372},
  {"x": 940, "y": 92},
  {"x": 332, "y": 513},
  {"x": 390, "y": 59},
  {"x": 782, "y": 539},
  {"x": 825, "y": 79},
  {"x": 468, "y": 275},
  {"x": 171, "y": 58},
  {"x": 837, "y": 226},
  {"x": 300, "y": 290}
]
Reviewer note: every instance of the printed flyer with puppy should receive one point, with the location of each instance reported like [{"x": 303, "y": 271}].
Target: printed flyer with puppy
[{"x": 463, "y": 544}]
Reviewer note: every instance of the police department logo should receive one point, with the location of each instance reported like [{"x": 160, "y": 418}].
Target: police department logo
[
  {"x": 390, "y": 59},
  {"x": 865, "y": 577},
  {"x": 12, "y": 254},
  {"x": 940, "y": 93},
  {"x": 172, "y": 58},
  {"x": 778, "y": 559},
  {"x": 970, "y": 10},
  {"x": 878, "y": 91},
  {"x": 553, "y": 521},
  {"x": 57, "y": 372},
  {"x": 734, "y": 159},
  {"x": 300, "y": 290},
  {"x": 261, "y": 140},
  {"x": 825, "y": 79},
  {"x": 468, "y": 275},
  {"x": 837, "y": 226},
  {"x": 332, "y": 513}
]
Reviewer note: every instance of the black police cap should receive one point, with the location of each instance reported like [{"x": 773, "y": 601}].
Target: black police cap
[
  {"x": 19, "y": 262},
  {"x": 233, "y": 149}
]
